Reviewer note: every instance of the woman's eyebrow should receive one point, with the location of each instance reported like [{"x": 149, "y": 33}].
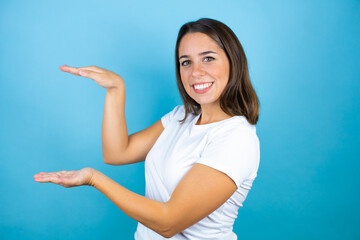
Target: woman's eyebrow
[
  {"x": 207, "y": 52},
  {"x": 200, "y": 54}
]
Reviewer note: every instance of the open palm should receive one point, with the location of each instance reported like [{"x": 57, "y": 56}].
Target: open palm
[{"x": 66, "y": 178}]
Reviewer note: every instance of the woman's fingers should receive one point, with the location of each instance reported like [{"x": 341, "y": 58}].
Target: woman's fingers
[
  {"x": 47, "y": 178},
  {"x": 71, "y": 70},
  {"x": 59, "y": 180},
  {"x": 74, "y": 70},
  {"x": 66, "y": 178},
  {"x": 94, "y": 69},
  {"x": 101, "y": 76},
  {"x": 92, "y": 72},
  {"x": 63, "y": 178}
]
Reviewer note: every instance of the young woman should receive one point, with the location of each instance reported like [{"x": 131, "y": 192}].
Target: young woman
[{"x": 200, "y": 159}]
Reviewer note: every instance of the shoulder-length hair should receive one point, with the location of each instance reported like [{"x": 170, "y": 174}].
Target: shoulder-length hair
[{"x": 239, "y": 97}]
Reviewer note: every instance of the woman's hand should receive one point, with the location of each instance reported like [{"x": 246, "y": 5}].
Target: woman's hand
[
  {"x": 67, "y": 178},
  {"x": 101, "y": 76}
]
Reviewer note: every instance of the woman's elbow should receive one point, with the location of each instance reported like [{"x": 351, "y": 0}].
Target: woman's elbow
[
  {"x": 167, "y": 232},
  {"x": 167, "y": 235},
  {"x": 168, "y": 225},
  {"x": 111, "y": 160}
]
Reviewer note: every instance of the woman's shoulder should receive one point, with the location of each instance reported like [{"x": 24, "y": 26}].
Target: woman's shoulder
[
  {"x": 179, "y": 109},
  {"x": 237, "y": 123},
  {"x": 177, "y": 113},
  {"x": 235, "y": 127}
]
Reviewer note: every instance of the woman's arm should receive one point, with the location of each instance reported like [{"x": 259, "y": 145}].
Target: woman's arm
[
  {"x": 118, "y": 148},
  {"x": 201, "y": 191},
  {"x": 149, "y": 212},
  {"x": 114, "y": 130}
]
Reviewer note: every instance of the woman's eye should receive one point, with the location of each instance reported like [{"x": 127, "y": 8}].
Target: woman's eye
[
  {"x": 185, "y": 63},
  {"x": 208, "y": 59}
]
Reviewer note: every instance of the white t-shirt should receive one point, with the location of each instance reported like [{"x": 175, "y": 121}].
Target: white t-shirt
[{"x": 230, "y": 146}]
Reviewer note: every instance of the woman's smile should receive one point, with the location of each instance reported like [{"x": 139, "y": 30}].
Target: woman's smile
[{"x": 201, "y": 88}]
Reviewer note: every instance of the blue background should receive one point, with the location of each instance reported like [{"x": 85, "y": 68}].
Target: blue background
[{"x": 304, "y": 64}]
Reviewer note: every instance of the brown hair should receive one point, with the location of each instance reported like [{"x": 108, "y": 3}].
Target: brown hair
[{"x": 239, "y": 97}]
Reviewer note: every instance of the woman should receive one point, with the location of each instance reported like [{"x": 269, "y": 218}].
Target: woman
[{"x": 201, "y": 158}]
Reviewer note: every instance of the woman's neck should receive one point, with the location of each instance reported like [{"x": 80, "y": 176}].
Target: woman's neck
[{"x": 211, "y": 113}]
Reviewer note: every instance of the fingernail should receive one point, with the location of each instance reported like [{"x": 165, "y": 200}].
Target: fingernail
[{"x": 81, "y": 72}]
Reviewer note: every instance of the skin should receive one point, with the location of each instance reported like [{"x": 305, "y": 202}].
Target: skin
[
  {"x": 203, "y": 189},
  {"x": 66, "y": 178},
  {"x": 197, "y": 67}
]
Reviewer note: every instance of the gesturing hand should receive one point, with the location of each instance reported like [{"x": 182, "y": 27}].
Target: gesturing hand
[
  {"x": 101, "y": 76},
  {"x": 67, "y": 178}
]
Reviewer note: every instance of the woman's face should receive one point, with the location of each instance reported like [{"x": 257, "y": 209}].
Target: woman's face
[{"x": 204, "y": 68}]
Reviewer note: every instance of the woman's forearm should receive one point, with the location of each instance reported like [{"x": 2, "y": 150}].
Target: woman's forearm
[
  {"x": 114, "y": 130},
  {"x": 149, "y": 212}
]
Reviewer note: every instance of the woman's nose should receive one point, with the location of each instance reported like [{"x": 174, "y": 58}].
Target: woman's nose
[{"x": 197, "y": 70}]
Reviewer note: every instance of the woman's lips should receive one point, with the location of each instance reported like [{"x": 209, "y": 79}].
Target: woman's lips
[{"x": 202, "y": 87}]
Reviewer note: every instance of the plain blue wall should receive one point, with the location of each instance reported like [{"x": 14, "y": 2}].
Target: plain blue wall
[{"x": 304, "y": 63}]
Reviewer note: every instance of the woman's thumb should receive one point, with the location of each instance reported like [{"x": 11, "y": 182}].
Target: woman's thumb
[{"x": 89, "y": 74}]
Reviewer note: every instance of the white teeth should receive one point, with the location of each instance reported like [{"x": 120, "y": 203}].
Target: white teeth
[{"x": 202, "y": 86}]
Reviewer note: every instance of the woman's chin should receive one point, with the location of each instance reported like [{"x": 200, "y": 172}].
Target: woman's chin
[{"x": 207, "y": 102}]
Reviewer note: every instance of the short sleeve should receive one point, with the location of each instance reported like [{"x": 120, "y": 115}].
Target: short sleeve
[
  {"x": 174, "y": 114},
  {"x": 235, "y": 152}
]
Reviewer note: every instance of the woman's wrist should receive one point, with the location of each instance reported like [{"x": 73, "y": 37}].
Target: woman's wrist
[
  {"x": 92, "y": 177},
  {"x": 118, "y": 84},
  {"x": 118, "y": 88}
]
